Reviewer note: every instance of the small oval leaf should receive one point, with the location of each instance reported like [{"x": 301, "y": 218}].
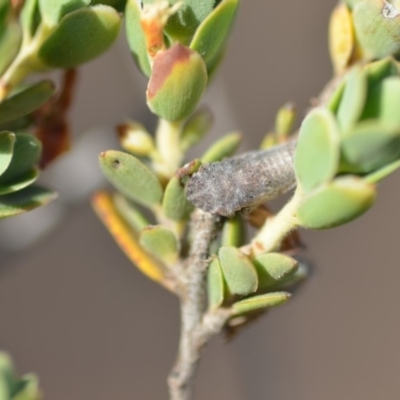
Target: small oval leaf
[
  {"x": 341, "y": 37},
  {"x": 185, "y": 21},
  {"x": 131, "y": 177},
  {"x": 175, "y": 204},
  {"x": 222, "y": 148},
  {"x": 215, "y": 285},
  {"x": 370, "y": 145},
  {"x": 53, "y": 10},
  {"x": 259, "y": 303},
  {"x": 20, "y": 182},
  {"x": 25, "y": 200},
  {"x": 177, "y": 82},
  {"x": 336, "y": 203},
  {"x": 317, "y": 153},
  {"x": 273, "y": 268},
  {"x": 239, "y": 273},
  {"x": 161, "y": 243},
  {"x": 377, "y": 23},
  {"x": 81, "y": 36},
  {"x": 25, "y": 101},
  {"x": 383, "y": 102},
  {"x": 136, "y": 37},
  {"x": 136, "y": 220},
  {"x": 353, "y": 99},
  {"x": 26, "y": 154},
  {"x": 210, "y": 37}
]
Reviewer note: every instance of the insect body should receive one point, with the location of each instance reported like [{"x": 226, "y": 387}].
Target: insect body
[{"x": 243, "y": 181}]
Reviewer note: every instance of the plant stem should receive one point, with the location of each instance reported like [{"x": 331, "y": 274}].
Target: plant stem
[
  {"x": 197, "y": 326},
  {"x": 168, "y": 148},
  {"x": 24, "y": 63},
  {"x": 270, "y": 237}
]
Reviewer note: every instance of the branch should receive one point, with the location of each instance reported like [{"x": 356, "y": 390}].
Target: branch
[{"x": 197, "y": 327}]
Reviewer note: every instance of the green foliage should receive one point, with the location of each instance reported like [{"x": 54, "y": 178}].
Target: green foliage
[
  {"x": 175, "y": 205},
  {"x": 14, "y": 388},
  {"x": 211, "y": 36},
  {"x": 160, "y": 242},
  {"x": 80, "y": 36},
  {"x": 318, "y": 149},
  {"x": 345, "y": 145},
  {"x": 353, "y": 99},
  {"x": 258, "y": 303},
  {"x": 336, "y": 203},
  {"x": 131, "y": 177},
  {"x": 215, "y": 284},
  {"x": 136, "y": 37},
  {"x": 377, "y": 24},
  {"x": 177, "y": 83},
  {"x": 273, "y": 268},
  {"x": 239, "y": 273},
  {"x": 222, "y": 148},
  {"x": 25, "y": 101}
]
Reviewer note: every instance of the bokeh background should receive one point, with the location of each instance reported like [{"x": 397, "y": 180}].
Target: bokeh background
[{"x": 75, "y": 311}]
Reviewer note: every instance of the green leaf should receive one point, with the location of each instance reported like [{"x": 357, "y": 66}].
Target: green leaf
[
  {"x": 183, "y": 23},
  {"x": 132, "y": 178},
  {"x": 376, "y": 33},
  {"x": 136, "y": 37},
  {"x": 4, "y": 388},
  {"x": 10, "y": 41},
  {"x": 26, "y": 154},
  {"x": 25, "y": 101},
  {"x": 210, "y": 37},
  {"x": 382, "y": 173},
  {"x": 177, "y": 82},
  {"x": 25, "y": 200},
  {"x": 239, "y": 273},
  {"x": 383, "y": 102},
  {"x": 7, "y": 140},
  {"x": 195, "y": 128},
  {"x": 30, "y": 18},
  {"x": 294, "y": 281},
  {"x": 80, "y": 36},
  {"x": 284, "y": 120},
  {"x": 258, "y": 303},
  {"x": 317, "y": 154},
  {"x": 273, "y": 268},
  {"x": 53, "y": 10},
  {"x": 378, "y": 70},
  {"x": 215, "y": 285},
  {"x": 161, "y": 243},
  {"x": 234, "y": 231},
  {"x": 8, "y": 377},
  {"x": 353, "y": 99},
  {"x": 222, "y": 148},
  {"x": 130, "y": 214},
  {"x": 29, "y": 389},
  {"x": 336, "y": 97},
  {"x": 336, "y": 203},
  {"x": 175, "y": 205},
  {"x": 370, "y": 145},
  {"x": 19, "y": 183}
]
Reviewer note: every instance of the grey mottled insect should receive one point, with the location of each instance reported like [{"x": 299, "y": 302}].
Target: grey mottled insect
[{"x": 243, "y": 181}]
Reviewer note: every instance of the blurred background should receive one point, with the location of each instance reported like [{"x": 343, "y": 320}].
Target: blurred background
[{"x": 74, "y": 311}]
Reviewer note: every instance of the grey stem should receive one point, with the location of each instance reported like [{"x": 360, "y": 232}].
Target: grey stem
[{"x": 197, "y": 325}]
